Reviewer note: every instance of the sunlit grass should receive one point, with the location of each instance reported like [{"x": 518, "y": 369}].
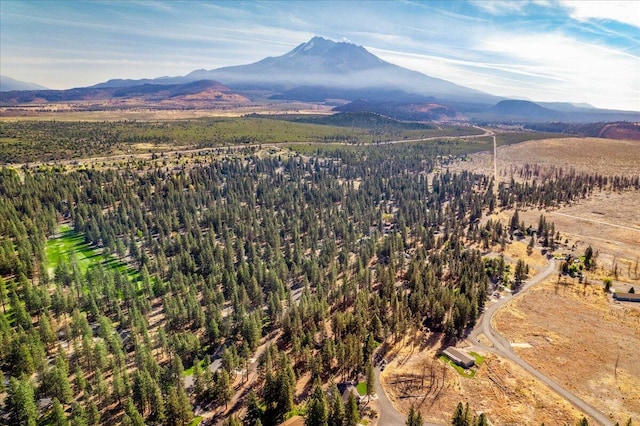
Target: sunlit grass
[
  {"x": 70, "y": 244},
  {"x": 468, "y": 373}
]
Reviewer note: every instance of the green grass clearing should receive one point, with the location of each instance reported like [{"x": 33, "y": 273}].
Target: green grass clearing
[
  {"x": 189, "y": 371},
  {"x": 70, "y": 244},
  {"x": 468, "y": 373},
  {"x": 479, "y": 358},
  {"x": 362, "y": 388},
  {"x": 64, "y": 246},
  {"x": 297, "y": 411}
]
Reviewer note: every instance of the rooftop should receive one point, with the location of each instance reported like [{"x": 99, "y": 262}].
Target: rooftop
[
  {"x": 627, "y": 296},
  {"x": 458, "y": 355}
]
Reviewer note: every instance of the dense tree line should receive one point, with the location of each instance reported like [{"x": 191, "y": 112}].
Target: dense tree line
[{"x": 333, "y": 253}]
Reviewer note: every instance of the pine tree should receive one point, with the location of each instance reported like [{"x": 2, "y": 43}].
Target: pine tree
[
  {"x": 461, "y": 415},
  {"x": 134, "y": 414},
  {"x": 223, "y": 388},
  {"x": 370, "y": 382},
  {"x": 186, "y": 410},
  {"x": 58, "y": 418},
  {"x": 317, "y": 408},
  {"x": 414, "y": 418},
  {"x": 336, "y": 408},
  {"x": 21, "y": 403},
  {"x": 482, "y": 420},
  {"x": 3, "y": 294},
  {"x": 93, "y": 414},
  {"x": 520, "y": 274},
  {"x": 352, "y": 415},
  {"x": 78, "y": 415},
  {"x": 255, "y": 412},
  {"x": 588, "y": 256}
]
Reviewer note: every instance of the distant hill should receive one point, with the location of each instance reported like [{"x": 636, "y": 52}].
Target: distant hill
[
  {"x": 194, "y": 94},
  {"x": 567, "y": 106},
  {"x": 524, "y": 109},
  {"x": 627, "y": 131},
  {"x": 427, "y": 111},
  {"x": 363, "y": 120},
  {"x": 615, "y": 130},
  {"x": 8, "y": 84},
  {"x": 341, "y": 74}
]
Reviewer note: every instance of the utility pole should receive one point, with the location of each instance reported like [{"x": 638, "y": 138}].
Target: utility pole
[{"x": 495, "y": 164}]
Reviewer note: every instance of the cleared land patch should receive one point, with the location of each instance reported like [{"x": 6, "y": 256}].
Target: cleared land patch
[
  {"x": 69, "y": 244},
  {"x": 501, "y": 389},
  {"x": 582, "y": 340},
  {"x": 589, "y": 155},
  {"x": 586, "y": 221}
]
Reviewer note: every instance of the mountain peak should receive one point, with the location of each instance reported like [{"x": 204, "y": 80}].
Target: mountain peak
[
  {"x": 314, "y": 47},
  {"x": 327, "y": 56},
  {"x": 347, "y": 70}
]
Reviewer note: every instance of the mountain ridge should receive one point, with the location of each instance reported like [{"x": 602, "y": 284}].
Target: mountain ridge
[
  {"x": 8, "y": 84},
  {"x": 324, "y": 63},
  {"x": 335, "y": 73},
  {"x": 195, "y": 93}
]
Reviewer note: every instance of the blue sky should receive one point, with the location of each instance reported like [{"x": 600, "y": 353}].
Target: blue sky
[{"x": 545, "y": 50}]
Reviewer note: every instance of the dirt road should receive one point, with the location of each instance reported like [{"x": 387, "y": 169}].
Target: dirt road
[{"x": 599, "y": 222}]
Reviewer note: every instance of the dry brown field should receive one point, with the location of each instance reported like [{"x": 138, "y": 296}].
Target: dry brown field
[
  {"x": 608, "y": 221},
  {"x": 506, "y": 393},
  {"x": 582, "y": 340},
  {"x": 590, "y": 155},
  {"x": 571, "y": 332},
  {"x": 67, "y": 112}
]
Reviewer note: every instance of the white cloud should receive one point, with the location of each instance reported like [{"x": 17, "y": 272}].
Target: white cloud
[
  {"x": 500, "y": 7},
  {"x": 547, "y": 67},
  {"x": 601, "y": 75},
  {"x": 627, "y": 12}
]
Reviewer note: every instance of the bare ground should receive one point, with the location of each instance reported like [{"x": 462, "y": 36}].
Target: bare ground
[
  {"x": 70, "y": 112},
  {"x": 574, "y": 333},
  {"x": 591, "y": 155},
  {"x": 507, "y": 394},
  {"x": 608, "y": 221},
  {"x": 582, "y": 340}
]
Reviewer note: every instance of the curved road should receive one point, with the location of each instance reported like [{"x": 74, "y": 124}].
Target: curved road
[
  {"x": 388, "y": 413},
  {"x": 502, "y": 347},
  {"x": 389, "y": 416}
]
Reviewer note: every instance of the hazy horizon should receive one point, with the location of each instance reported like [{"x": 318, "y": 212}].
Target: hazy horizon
[{"x": 539, "y": 50}]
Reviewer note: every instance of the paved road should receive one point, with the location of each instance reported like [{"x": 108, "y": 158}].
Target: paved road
[
  {"x": 389, "y": 416},
  {"x": 388, "y": 413},
  {"x": 502, "y": 347}
]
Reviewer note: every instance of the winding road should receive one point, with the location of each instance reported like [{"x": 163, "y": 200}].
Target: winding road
[{"x": 502, "y": 347}]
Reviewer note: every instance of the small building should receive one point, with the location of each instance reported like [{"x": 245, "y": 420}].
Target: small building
[
  {"x": 346, "y": 389},
  {"x": 461, "y": 358},
  {"x": 626, "y": 297}
]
